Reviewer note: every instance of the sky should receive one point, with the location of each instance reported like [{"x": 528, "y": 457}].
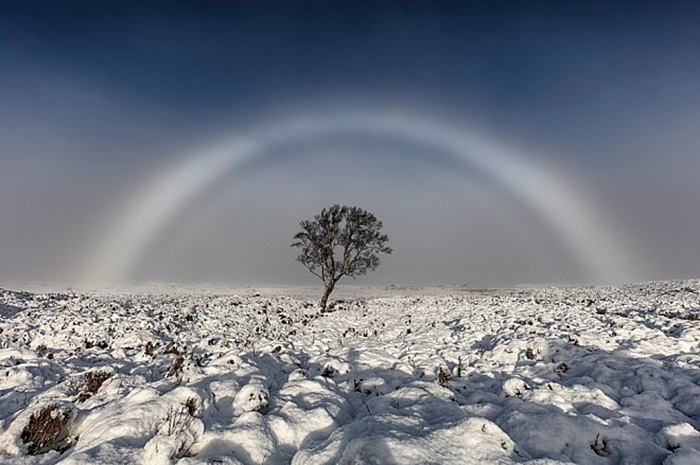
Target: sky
[{"x": 500, "y": 143}]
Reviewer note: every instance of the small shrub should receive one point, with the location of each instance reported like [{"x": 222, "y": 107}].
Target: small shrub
[
  {"x": 94, "y": 380},
  {"x": 149, "y": 348},
  {"x": 176, "y": 367},
  {"x": 181, "y": 417},
  {"x": 191, "y": 405},
  {"x": 93, "y": 383},
  {"x": 444, "y": 377},
  {"x": 41, "y": 350},
  {"x": 47, "y": 430},
  {"x": 529, "y": 354}
]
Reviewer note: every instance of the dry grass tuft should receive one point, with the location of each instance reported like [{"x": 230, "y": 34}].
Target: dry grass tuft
[
  {"x": 47, "y": 430},
  {"x": 93, "y": 383},
  {"x": 94, "y": 380}
]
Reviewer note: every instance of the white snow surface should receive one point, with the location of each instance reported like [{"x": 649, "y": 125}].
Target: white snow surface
[{"x": 594, "y": 375}]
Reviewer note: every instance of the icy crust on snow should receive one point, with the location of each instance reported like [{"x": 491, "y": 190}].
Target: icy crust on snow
[{"x": 450, "y": 376}]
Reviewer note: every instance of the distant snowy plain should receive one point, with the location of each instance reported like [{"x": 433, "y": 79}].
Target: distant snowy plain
[{"x": 595, "y": 375}]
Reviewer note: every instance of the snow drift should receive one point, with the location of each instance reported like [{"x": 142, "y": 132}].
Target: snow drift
[{"x": 415, "y": 376}]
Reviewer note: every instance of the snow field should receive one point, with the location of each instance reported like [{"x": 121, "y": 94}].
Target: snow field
[{"x": 543, "y": 376}]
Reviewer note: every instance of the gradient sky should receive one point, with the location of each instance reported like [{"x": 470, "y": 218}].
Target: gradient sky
[{"x": 98, "y": 99}]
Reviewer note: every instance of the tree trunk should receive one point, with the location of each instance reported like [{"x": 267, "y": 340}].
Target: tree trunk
[{"x": 326, "y": 294}]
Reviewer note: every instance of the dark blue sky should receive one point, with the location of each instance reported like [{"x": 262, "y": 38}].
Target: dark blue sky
[
  {"x": 199, "y": 56},
  {"x": 99, "y": 96}
]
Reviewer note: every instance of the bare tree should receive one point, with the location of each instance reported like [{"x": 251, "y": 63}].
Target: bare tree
[{"x": 340, "y": 241}]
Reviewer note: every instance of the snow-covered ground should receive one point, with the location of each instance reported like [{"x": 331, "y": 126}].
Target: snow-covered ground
[{"x": 161, "y": 375}]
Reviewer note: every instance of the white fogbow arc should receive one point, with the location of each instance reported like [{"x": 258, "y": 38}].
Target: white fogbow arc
[{"x": 546, "y": 193}]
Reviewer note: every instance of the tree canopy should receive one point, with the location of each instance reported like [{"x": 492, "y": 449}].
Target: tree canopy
[{"x": 340, "y": 241}]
